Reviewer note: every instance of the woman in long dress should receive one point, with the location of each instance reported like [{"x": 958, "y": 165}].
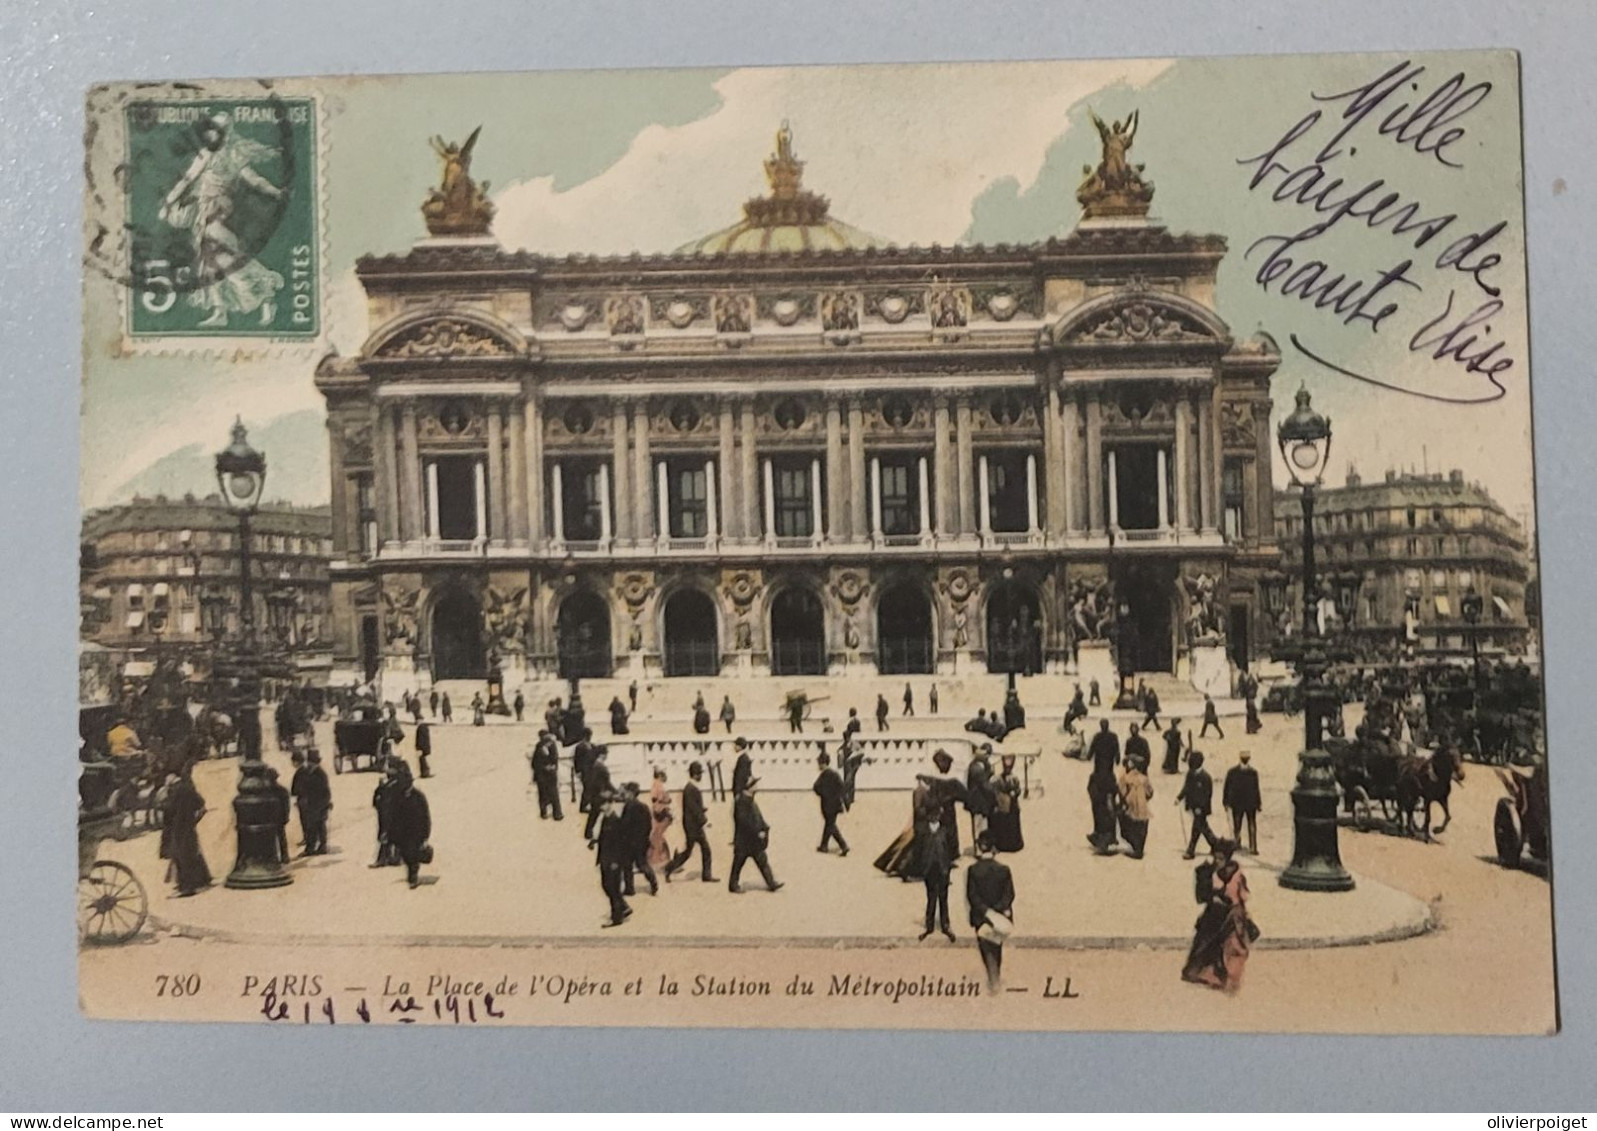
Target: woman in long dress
[
  {"x": 900, "y": 858},
  {"x": 1224, "y": 932},
  {"x": 180, "y": 835},
  {"x": 660, "y": 810},
  {"x": 1003, "y": 824}
]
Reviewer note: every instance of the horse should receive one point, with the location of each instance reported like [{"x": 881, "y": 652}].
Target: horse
[{"x": 1429, "y": 781}]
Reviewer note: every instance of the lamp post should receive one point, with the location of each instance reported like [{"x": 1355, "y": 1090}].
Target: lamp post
[
  {"x": 1471, "y": 606},
  {"x": 241, "y": 474},
  {"x": 1305, "y": 441}
]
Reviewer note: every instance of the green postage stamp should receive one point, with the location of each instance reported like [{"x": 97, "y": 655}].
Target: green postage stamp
[{"x": 219, "y": 235}]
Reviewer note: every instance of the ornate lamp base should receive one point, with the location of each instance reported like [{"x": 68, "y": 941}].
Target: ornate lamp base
[
  {"x": 1316, "y": 858},
  {"x": 258, "y": 863}
]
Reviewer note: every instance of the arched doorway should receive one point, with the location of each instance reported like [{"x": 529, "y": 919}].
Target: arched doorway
[
  {"x": 1014, "y": 629},
  {"x": 583, "y": 637},
  {"x": 457, "y": 637},
  {"x": 1145, "y": 624},
  {"x": 798, "y": 633},
  {"x": 904, "y": 632},
  {"x": 692, "y": 644}
]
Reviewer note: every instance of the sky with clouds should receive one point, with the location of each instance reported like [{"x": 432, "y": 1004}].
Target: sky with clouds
[{"x": 612, "y": 162}]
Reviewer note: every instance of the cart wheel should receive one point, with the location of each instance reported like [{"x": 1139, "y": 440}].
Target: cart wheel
[
  {"x": 1505, "y": 831},
  {"x": 1363, "y": 810},
  {"x": 112, "y": 904}
]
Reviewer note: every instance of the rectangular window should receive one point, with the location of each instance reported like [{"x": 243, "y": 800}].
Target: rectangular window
[
  {"x": 582, "y": 504},
  {"x": 688, "y": 489},
  {"x": 795, "y": 506},
  {"x": 1232, "y": 499},
  {"x": 366, "y": 515},
  {"x": 1008, "y": 506},
  {"x": 457, "y": 498},
  {"x": 900, "y": 506}
]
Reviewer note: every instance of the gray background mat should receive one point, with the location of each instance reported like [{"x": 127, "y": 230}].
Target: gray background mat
[{"x": 52, "y": 1060}]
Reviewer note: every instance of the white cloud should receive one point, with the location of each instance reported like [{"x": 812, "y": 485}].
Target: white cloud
[{"x": 902, "y": 154}]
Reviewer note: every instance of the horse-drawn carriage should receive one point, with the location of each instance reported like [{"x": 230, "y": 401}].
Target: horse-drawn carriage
[
  {"x": 1374, "y": 769},
  {"x": 112, "y": 904},
  {"x": 358, "y": 742}
]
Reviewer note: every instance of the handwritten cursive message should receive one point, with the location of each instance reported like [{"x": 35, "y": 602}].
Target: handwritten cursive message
[{"x": 1442, "y": 288}]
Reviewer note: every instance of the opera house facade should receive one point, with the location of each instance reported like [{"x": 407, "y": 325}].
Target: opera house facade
[{"x": 790, "y": 448}]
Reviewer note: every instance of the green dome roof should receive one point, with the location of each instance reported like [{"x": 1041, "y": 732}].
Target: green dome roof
[{"x": 790, "y": 219}]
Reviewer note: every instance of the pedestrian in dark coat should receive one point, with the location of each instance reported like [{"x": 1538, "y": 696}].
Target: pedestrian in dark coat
[
  {"x": 1197, "y": 793},
  {"x": 382, "y": 801},
  {"x": 743, "y": 768},
  {"x": 595, "y": 785},
  {"x": 1077, "y": 708},
  {"x": 284, "y": 807},
  {"x": 448, "y": 711},
  {"x": 1240, "y": 796},
  {"x": 618, "y": 716},
  {"x": 751, "y": 836},
  {"x": 852, "y": 755},
  {"x": 1150, "y": 705},
  {"x": 853, "y": 726},
  {"x": 546, "y": 776},
  {"x": 424, "y": 748},
  {"x": 990, "y": 895},
  {"x": 1172, "y": 748},
  {"x": 615, "y": 856},
  {"x": 979, "y": 798},
  {"x": 830, "y": 789},
  {"x": 180, "y": 834},
  {"x": 1093, "y": 698},
  {"x": 728, "y": 713},
  {"x": 1211, "y": 718},
  {"x": 1102, "y": 789},
  {"x": 694, "y": 822},
  {"x": 520, "y": 705},
  {"x": 881, "y": 712},
  {"x": 432, "y": 702},
  {"x": 931, "y": 698},
  {"x": 632, "y": 695},
  {"x": 313, "y": 794},
  {"x": 936, "y": 868},
  {"x": 701, "y": 717},
  {"x": 909, "y": 701},
  {"x": 638, "y": 823},
  {"x": 410, "y": 825},
  {"x": 1137, "y": 746}
]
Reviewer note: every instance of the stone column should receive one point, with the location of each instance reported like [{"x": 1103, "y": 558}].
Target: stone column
[
  {"x": 964, "y": 455},
  {"x": 644, "y": 523},
  {"x": 857, "y": 487},
  {"x": 768, "y": 493},
  {"x": 480, "y": 490},
  {"x": 496, "y": 471},
  {"x": 731, "y": 520},
  {"x": 941, "y": 466},
  {"x": 606, "y": 507},
  {"x": 712, "y": 519},
  {"x": 346, "y": 539},
  {"x": 1162, "y": 470},
  {"x": 621, "y": 459},
  {"x": 836, "y": 475},
  {"x": 1264, "y": 499},
  {"x": 1053, "y": 457},
  {"x": 1183, "y": 460},
  {"x": 1031, "y": 493},
  {"x": 557, "y": 497},
  {"x": 1095, "y": 517},
  {"x": 518, "y": 475},
  {"x": 1207, "y": 517},
  {"x": 434, "y": 530},
  {"x": 749, "y": 480},
  {"x": 984, "y": 499},
  {"x": 876, "y": 498},
  {"x": 816, "y": 516},
  {"x": 387, "y": 476},
  {"x": 925, "y": 499},
  {"x": 1214, "y": 455},
  {"x": 410, "y": 476},
  {"x": 662, "y": 479},
  {"x": 1250, "y": 492},
  {"x": 1072, "y": 475},
  {"x": 536, "y": 531}
]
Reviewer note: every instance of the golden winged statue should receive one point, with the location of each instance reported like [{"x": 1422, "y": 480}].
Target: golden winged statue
[
  {"x": 459, "y": 206},
  {"x": 1116, "y": 187}
]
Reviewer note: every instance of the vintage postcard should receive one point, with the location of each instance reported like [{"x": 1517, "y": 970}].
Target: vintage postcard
[{"x": 1036, "y": 545}]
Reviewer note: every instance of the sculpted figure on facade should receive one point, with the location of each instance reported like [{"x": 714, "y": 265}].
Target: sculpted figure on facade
[
  {"x": 1092, "y": 614},
  {"x": 734, "y": 312},
  {"x": 1204, "y": 623},
  {"x": 1116, "y": 187},
  {"x": 505, "y": 618},
  {"x": 840, "y": 311},
  {"x": 399, "y": 616},
  {"x": 459, "y": 206},
  {"x": 624, "y": 315}
]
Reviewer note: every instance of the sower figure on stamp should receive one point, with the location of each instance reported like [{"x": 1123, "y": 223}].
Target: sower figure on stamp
[
  {"x": 750, "y": 838},
  {"x": 694, "y": 822},
  {"x": 830, "y": 789},
  {"x": 1197, "y": 792},
  {"x": 990, "y": 894},
  {"x": 1240, "y": 796}
]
